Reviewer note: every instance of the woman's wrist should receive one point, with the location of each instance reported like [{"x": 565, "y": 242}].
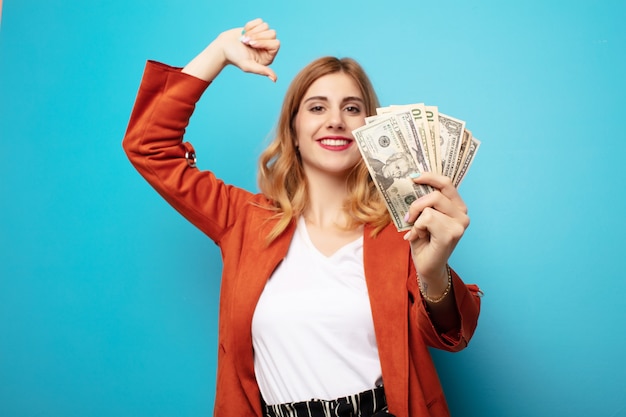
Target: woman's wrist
[
  {"x": 209, "y": 63},
  {"x": 436, "y": 291}
]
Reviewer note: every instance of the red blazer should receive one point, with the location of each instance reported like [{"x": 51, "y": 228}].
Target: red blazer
[{"x": 236, "y": 220}]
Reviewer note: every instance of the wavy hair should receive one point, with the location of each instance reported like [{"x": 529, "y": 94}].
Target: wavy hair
[{"x": 281, "y": 176}]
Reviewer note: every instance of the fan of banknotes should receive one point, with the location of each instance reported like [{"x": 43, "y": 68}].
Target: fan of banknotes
[{"x": 404, "y": 139}]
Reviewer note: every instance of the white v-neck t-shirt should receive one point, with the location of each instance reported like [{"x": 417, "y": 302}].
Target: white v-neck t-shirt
[{"x": 312, "y": 330}]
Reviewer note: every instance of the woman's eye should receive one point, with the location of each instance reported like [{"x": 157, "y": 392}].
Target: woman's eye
[
  {"x": 353, "y": 109},
  {"x": 316, "y": 109}
]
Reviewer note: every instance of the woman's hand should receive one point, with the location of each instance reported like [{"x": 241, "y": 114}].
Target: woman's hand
[
  {"x": 251, "y": 48},
  {"x": 439, "y": 221}
]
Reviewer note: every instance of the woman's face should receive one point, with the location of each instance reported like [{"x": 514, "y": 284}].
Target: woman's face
[{"x": 330, "y": 110}]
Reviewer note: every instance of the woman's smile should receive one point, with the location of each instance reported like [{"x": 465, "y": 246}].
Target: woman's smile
[{"x": 335, "y": 143}]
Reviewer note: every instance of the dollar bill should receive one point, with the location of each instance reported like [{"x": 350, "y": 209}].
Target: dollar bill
[
  {"x": 467, "y": 161},
  {"x": 418, "y": 112},
  {"x": 462, "y": 154},
  {"x": 432, "y": 117},
  {"x": 410, "y": 132},
  {"x": 451, "y": 132},
  {"x": 389, "y": 161}
]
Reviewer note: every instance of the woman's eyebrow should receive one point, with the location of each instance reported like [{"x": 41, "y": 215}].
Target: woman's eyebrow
[
  {"x": 324, "y": 98},
  {"x": 316, "y": 98},
  {"x": 353, "y": 98}
]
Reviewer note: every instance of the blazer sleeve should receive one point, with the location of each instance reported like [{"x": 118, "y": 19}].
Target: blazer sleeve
[
  {"x": 467, "y": 297},
  {"x": 154, "y": 144}
]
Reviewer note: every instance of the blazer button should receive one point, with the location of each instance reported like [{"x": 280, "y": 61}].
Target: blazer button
[{"x": 190, "y": 156}]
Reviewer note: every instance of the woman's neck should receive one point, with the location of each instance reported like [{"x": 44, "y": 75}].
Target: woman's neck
[
  {"x": 325, "y": 216},
  {"x": 327, "y": 196}
]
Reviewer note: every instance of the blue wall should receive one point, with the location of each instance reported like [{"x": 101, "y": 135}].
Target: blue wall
[{"x": 108, "y": 298}]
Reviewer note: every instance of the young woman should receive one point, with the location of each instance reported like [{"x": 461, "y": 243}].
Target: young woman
[{"x": 325, "y": 309}]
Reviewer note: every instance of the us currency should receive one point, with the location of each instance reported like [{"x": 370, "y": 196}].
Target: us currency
[
  {"x": 432, "y": 117},
  {"x": 418, "y": 112},
  {"x": 389, "y": 161},
  {"x": 411, "y": 135},
  {"x": 463, "y": 150},
  {"x": 451, "y": 132},
  {"x": 467, "y": 161}
]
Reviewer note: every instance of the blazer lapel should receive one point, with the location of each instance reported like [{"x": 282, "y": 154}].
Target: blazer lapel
[
  {"x": 386, "y": 272},
  {"x": 260, "y": 263}
]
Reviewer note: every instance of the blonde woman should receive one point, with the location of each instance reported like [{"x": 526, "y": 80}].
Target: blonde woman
[{"x": 325, "y": 309}]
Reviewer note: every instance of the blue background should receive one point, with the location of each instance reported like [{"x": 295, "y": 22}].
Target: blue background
[{"x": 108, "y": 298}]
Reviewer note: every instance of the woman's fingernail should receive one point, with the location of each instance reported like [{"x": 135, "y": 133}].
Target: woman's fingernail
[
  {"x": 243, "y": 31},
  {"x": 406, "y": 236},
  {"x": 414, "y": 175},
  {"x": 406, "y": 217},
  {"x": 245, "y": 39}
]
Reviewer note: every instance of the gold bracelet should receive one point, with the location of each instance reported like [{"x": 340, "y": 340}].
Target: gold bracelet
[{"x": 440, "y": 298}]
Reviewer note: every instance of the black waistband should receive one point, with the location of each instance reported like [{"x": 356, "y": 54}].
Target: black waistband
[{"x": 370, "y": 403}]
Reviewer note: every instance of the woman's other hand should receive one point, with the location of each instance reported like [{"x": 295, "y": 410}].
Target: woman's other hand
[
  {"x": 252, "y": 48},
  {"x": 439, "y": 221},
  {"x": 255, "y": 48}
]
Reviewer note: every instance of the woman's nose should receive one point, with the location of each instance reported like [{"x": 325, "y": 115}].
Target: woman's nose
[{"x": 335, "y": 119}]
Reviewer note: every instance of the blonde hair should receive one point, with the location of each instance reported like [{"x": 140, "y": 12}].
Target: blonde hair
[{"x": 281, "y": 177}]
